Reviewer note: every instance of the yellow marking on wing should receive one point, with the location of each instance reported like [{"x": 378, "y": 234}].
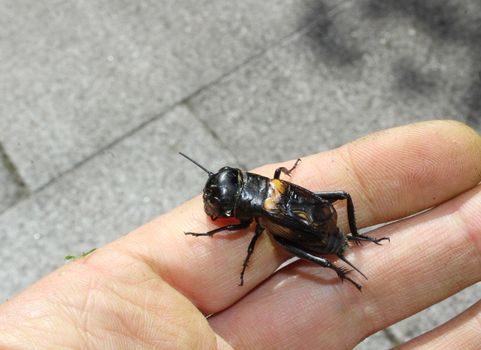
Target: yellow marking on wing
[
  {"x": 270, "y": 204},
  {"x": 301, "y": 214},
  {"x": 275, "y": 228},
  {"x": 276, "y": 189},
  {"x": 278, "y": 185}
]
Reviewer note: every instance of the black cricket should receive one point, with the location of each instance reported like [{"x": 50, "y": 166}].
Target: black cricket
[{"x": 302, "y": 222}]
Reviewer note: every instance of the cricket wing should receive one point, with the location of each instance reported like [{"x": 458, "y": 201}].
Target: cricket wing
[{"x": 299, "y": 209}]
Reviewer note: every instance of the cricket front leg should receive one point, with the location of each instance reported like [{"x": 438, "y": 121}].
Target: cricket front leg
[{"x": 234, "y": 227}]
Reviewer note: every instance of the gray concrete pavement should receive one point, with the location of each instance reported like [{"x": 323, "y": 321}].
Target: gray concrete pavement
[
  {"x": 105, "y": 198},
  {"x": 316, "y": 90},
  {"x": 80, "y": 75},
  {"x": 97, "y": 98}
]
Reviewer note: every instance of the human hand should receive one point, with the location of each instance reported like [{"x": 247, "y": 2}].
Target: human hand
[{"x": 153, "y": 287}]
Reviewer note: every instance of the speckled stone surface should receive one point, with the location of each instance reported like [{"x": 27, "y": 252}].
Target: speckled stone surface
[
  {"x": 120, "y": 189},
  {"x": 342, "y": 78},
  {"x": 76, "y": 76}
]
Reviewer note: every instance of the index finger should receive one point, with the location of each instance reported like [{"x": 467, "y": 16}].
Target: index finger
[{"x": 389, "y": 174}]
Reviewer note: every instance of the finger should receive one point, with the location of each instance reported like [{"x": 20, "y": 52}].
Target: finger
[
  {"x": 462, "y": 332},
  {"x": 430, "y": 257},
  {"x": 397, "y": 172},
  {"x": 120, "y": 305},
  {"x": 389, "y": 174}
]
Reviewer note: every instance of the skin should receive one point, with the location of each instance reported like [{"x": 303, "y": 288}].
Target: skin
[{"x": 153, "y": 287}]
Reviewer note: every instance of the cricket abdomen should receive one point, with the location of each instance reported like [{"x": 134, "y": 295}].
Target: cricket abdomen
[{"x": 336, "y": 243}]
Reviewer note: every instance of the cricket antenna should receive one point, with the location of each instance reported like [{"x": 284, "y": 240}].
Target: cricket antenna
[{"x": 200, "y": 166}]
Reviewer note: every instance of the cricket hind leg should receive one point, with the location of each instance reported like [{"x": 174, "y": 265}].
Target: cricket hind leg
[
  {"x": 351, "y": 217},
  {"x": 277, "y": 173},
  {"x": 301, "y": 253},
  {"x": 333, "y": 196}
]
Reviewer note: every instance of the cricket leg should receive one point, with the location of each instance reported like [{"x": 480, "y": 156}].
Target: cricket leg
[
  {"x": 250, "y": 250},
  {"x": 301, "y": 253},
  {"x": 234, "y": 227},
  {"x": 351, "y": 217},
  {"x": 277, "y": 173}
]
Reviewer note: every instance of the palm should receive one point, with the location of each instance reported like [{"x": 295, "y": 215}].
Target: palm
[{"x": 154, "y": 287}]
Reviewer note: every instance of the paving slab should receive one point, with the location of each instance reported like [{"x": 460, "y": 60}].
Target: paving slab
[
  {"x": 352, "y": 72},
  {"x": 78, "y": 75},
  {"x": 124, "y": 187}
]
